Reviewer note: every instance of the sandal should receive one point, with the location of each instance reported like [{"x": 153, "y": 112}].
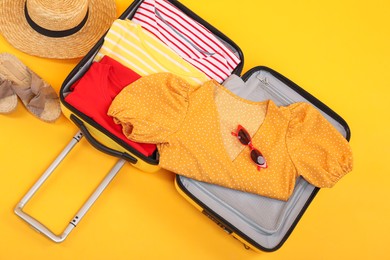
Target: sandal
[
  {"x": 36, "y": 95},
  {"x": 8, "y": 98}
]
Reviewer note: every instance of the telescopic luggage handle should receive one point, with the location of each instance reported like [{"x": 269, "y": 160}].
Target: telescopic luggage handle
[{"x": 83, "y": 210}]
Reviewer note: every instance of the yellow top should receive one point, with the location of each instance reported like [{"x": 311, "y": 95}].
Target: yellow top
[
  {"x": 139, "y": 50},
  {"x": 185, "y": 123}
]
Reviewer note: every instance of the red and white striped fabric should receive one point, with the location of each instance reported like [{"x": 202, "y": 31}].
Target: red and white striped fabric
[{"x": 192, "y": 41}]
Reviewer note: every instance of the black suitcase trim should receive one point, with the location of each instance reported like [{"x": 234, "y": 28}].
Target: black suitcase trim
[
  {"x": 304, "y": 94},
  {"x": 226, "y": 225},
  {"x": 87, "y": 60},
  {"x": 153, "y": 160}
]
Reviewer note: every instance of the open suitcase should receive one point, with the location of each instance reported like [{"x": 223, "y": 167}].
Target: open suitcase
[{"x": 260, "y": 223}]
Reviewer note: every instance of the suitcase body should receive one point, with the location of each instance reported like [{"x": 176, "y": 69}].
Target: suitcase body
[{"x": 260, "y": 223}]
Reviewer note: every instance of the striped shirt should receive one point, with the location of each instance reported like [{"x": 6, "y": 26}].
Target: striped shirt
[
  {"x": 192, "y": 41},
  {"x": 139, "y": 50}
]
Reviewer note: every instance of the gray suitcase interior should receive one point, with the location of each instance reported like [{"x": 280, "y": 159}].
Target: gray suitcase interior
[{"x": 264, "y": 222}]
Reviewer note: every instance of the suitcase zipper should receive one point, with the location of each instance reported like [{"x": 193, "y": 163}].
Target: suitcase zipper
[
  {"x": 272, "y": 90},
  {"x": 306, "y": 95}
]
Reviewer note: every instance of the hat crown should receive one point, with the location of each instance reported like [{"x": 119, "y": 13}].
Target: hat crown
[{"x": 57, "y": 15}]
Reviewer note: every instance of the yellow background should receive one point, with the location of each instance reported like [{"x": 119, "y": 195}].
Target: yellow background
[{"x": 337, "y": 50}]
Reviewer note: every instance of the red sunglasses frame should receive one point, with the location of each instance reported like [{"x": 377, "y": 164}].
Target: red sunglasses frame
[{"x": 247, "y": 136}]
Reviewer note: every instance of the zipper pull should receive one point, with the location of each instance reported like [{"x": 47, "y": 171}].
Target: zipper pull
[{"x": 263, "y": 79}]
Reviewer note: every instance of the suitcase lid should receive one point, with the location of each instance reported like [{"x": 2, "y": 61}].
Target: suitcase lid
[{"x": 86, "y": 62}]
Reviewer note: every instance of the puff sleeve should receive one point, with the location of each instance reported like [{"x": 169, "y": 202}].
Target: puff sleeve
[
  {"x": 318, "y": 151},
  {"x": 151, "y": 108}
]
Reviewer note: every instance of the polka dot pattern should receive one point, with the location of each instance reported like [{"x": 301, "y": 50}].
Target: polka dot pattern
[
  {"x": 190, "y": 124},
  {"x": 233, "y": 112}
]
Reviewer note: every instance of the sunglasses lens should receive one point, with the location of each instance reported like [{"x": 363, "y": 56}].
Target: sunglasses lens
[
  {"x": 244, "y": 137},
  {"x": 257, "y": 157}
]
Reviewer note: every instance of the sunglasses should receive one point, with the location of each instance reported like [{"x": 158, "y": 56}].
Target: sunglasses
[{"x": 244, "y": 138}]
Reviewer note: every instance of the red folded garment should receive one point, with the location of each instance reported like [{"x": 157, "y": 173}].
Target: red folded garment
[{"x": 93, "y": 93}]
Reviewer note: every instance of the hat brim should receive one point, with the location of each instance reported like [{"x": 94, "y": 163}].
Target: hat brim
[{"x": 16, "y": 30}]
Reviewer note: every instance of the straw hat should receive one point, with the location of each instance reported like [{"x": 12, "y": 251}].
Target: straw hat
[{"x": 59, "y": 29}]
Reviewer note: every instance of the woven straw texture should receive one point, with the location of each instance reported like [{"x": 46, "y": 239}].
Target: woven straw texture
[{"x": 55, "y": 15}]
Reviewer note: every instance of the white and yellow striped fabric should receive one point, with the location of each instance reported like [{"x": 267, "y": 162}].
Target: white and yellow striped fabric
[{"x": 139, "y": 50}]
